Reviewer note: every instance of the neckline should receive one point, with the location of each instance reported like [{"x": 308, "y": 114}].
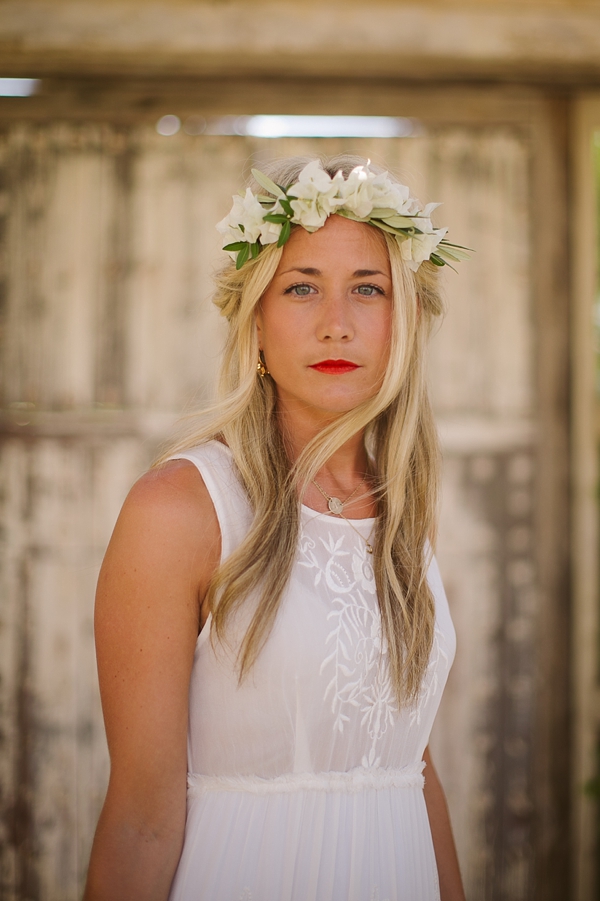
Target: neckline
[{"x": 370, "y": 519}]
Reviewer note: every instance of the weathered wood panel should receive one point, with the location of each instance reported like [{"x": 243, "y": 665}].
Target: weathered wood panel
[
  {"x": 59, "y": 502},
  {"x": 107, "y": 332}
]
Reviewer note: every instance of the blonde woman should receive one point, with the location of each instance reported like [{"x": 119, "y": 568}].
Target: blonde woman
[{"x": 273, "y": 635}]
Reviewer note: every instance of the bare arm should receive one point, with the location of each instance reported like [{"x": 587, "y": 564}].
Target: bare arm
[
  {"x": 451, "y": 887},
  {"x": 164, "y": 549}
]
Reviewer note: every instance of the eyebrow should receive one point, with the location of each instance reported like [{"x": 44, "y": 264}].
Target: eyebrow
[{"x": 358, "y": 273}]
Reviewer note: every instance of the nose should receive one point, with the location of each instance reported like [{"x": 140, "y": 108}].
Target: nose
[{"x": 335, "y": 321}]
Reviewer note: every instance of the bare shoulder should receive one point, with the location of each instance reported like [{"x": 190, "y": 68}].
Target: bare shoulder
[
  {"x": 167, "y": 536},
  {"x": 173, "y": 501},
  {"x": 176, "y": 484}
]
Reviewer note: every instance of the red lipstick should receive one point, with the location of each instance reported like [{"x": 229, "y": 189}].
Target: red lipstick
[{"x": 335, "y": 367}]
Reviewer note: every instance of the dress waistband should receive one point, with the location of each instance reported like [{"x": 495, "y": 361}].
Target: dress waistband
[{"x": 355, "y": 780}]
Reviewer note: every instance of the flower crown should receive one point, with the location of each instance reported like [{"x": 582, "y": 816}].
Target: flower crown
[{"x": 258, "y": 220}]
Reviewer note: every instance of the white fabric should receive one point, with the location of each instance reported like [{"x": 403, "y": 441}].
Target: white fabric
[{"x": 305, "y": 780}]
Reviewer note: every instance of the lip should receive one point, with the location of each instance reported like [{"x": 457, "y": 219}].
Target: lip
[{"x": 335, "y": 367}]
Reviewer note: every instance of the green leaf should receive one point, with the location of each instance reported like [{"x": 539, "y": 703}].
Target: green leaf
[
  {"x": 237, "y": 245},
  {"x": 255, "y": 249},
  {"x": 388, "y": 228},
  {"x": 287, "y": 206},
  {"x": 382, "y": 213},
  {"x": 458, "y": 246},
  {"x": 277, "y": 218},
  {"x": 435, "y": 257},
  {"x": 267, "y": 184},
  {"x": 397, "y": 221},
  {"x": 455, "y": 251},
  {"x": 447, "y": 254},
  {"x": 286, "y": 230},
  {"x": 242, "y": 256},
  {"x": 348, "y": 214},
  {"x": 436, "y": 260}
]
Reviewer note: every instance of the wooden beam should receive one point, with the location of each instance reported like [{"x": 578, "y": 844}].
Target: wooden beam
[{"x": 552, "y": 41}]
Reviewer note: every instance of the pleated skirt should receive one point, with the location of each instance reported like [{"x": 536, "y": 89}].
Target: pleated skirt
[{"x": 357, "y": 836}]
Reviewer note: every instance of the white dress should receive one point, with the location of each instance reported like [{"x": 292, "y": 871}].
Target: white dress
[{"x": 305, "y": 782}]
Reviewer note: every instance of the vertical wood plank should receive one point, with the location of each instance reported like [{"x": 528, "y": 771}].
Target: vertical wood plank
[{"x": 585, "y": 127}]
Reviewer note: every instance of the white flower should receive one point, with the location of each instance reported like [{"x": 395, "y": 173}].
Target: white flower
[
  {"x": 418, "y": 248},
  {"x": 317, "y": 196},
  {"x": 248, "y": 212},
  {"x": 363, "y": 191},
  {"x": 424, "y": 245},
  {"x": 270, "y": 231},
  {"x": 357, "y": 192},
  {"x": 389, "y": 195}
]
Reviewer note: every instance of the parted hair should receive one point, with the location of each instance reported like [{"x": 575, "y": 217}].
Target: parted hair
[{"x": 400, "y": 438}]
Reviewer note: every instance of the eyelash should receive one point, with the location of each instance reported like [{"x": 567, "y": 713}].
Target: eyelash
[
  {"x": 376, "y": 289},
  {"x": 290, "y": 290}
]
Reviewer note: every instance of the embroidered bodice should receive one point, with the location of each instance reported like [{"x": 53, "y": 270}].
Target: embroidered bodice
[{"x": 319, "y": 698}]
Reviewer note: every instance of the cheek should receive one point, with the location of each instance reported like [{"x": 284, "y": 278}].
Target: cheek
[
  {"x": 382, "y": 334},
  {"x": 279, "y": 328}
]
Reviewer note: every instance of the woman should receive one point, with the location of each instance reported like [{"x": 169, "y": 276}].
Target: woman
[{"x": 269, "y": 617}]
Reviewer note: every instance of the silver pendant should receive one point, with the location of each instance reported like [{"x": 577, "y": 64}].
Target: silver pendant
[{"x": 335, "y": 505}]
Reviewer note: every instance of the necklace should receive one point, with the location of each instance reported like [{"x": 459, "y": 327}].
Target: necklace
[{"x": 336, "y": 506}]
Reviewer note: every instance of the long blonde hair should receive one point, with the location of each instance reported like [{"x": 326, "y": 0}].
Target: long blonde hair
[{"x": 400, "y": 437}]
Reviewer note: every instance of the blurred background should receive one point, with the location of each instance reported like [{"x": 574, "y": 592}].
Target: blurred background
[{"x": 125, "y": 126}]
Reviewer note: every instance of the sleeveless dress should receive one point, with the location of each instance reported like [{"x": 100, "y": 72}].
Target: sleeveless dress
[{"x": 306, "y": 781}]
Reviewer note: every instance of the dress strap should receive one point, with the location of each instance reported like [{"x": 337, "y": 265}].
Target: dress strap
[{"x": 215, "y": 464}]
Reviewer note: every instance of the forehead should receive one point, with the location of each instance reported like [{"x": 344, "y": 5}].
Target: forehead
[{"x": 340, "y": 243}]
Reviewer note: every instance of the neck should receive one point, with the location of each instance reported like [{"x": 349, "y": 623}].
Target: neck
[
  {"x": 298, "y": 431},
  {"x": 342, "y": 473}
]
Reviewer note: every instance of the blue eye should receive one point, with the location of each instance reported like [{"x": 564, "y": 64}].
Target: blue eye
[
  {"x": 299, "y": 290},
  {"x": 368, "y": 290}
]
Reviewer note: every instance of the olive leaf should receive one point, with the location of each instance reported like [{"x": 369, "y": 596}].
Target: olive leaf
[
  {"x": 242, "y": 256},
  {"x": 285, "y": 233},
  {"x": 267, "y": 184},
  {"x": 436, "y": 260},
  {"x": 286, "y": 205}
]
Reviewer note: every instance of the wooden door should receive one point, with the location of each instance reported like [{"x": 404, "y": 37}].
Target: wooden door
[{"x": 107, "y": 334}]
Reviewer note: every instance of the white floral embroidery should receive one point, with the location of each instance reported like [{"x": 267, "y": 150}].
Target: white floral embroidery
[
  {"x": 358, "y": 687},
  {"x": 357, "y": 659},
  {"x": 363, "y": 572}
]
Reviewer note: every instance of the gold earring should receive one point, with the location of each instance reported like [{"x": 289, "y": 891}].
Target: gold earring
[{"x": 261, "y": 366}]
